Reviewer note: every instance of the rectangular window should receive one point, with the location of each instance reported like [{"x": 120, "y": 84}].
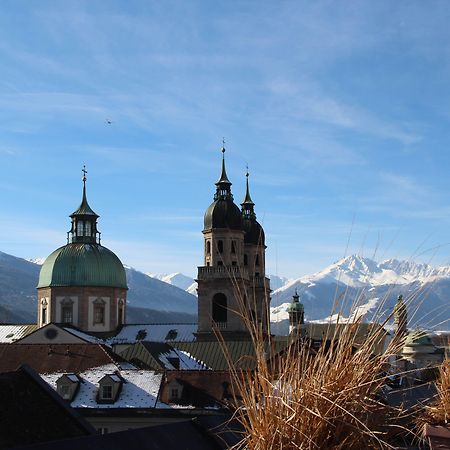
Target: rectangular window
[
  {"x": 67, "y": 314},
  {"x": 80, "y": 228},
  {"x": 99, "y": 314},
  {"x": 107, "y": 391},
  {"x": 174, "y": 393},
  {"x": 65, "y": 392},
  {"x": 44, "y": 315}
]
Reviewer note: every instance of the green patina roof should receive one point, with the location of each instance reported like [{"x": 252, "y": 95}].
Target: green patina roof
[
  {"x": 295, "y": 307},
  {"x": 81, "y": 264}
]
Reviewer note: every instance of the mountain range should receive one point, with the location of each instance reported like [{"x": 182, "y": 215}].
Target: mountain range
[
  {"x": 354, "y": 280},
  {"x": 149, "y": 299}
]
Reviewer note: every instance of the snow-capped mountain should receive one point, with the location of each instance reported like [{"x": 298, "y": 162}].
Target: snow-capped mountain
[
  {"x": 175, "y": 279},
  {"x": 371, "y": 285}
]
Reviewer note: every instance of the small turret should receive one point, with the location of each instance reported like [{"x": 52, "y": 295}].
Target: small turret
[
  {"x": 84, "y": 221},
  {"x": 296, "y": 312}
]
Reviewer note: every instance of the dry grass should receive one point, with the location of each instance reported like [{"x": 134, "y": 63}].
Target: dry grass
[
  {"x": 328, "y": 398},
  {"x": 438, "y": 413}
]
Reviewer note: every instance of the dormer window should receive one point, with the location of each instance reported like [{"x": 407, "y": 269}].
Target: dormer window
[
  {"x": 109, "y": 388},
  {"x": 67, "y": 386},
  {"x": 174, "y": 391},
  {"x": 107, "y": 392}
]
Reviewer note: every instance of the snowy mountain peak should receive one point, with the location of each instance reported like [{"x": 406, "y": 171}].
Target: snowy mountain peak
[{"x": 176, "y": 279}]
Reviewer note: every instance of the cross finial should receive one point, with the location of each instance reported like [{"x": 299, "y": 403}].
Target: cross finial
[
  {"x": 84, "y": 173},
  {"x": 223, "y": 145},
  {"x": 247, "y": 174}
]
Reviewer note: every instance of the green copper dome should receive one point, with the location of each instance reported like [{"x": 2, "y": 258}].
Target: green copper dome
[
  {"x": 295, "y": 307},
  {"x": 82, "y": 264}
]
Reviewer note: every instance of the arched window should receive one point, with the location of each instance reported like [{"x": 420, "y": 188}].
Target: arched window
[
  {"x": 257, "y": 260},
  {"x": 245, "y": 260},
  {"x": 219, "y": 308},
  {"x": 233, "y": 247},
  {"x": 208, "y": 247},
  {"x": 220, "y": 246}
]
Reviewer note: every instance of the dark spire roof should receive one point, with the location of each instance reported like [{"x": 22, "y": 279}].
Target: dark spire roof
[
  {"x": 84, "y": 209},
  {"x": 248, "y": 205},
  {"x": 223, "y": 184}
]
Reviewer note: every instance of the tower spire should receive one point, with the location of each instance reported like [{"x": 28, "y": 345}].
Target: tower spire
[
  {"x": 247, "y": 205},
  {"x": 223, "y": 184},
  {"x": 84, "y": 219}
]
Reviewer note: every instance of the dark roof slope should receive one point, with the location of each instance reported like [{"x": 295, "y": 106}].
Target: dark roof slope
[
  {"x": 186, "y": 435},
  {"x": 47, "y": 358},
  {"x": 31, "y": 412}
]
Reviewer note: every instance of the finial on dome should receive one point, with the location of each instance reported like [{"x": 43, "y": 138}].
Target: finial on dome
[
  {"x": 84, "y": 173},
  {"x": 223, "y": 184}
]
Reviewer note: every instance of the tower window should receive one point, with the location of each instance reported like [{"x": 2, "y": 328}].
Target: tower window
[
  {"x": 245, "y": 260},
  {"x": 44, "y": 315},
  {"x": 80, "y": 224},
  {"x": 220, "y": 246},
  {"x": 233, "y": 247},
  {"x": 257, "y": 260},
  {"x": 87, "y": 229},
  {"x": 219, "y": 308},
  {"x": 208, "y": 247}
]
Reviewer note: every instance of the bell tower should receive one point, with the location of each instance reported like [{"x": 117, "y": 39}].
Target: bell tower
[{"x": 231, "y": 283}]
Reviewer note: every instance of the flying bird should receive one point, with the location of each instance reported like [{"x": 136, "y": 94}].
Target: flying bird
[{"x": 108, "y": 121}]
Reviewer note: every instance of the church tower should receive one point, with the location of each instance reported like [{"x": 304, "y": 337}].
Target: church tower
[
  {"x": 296, "y": 312},
  {"x": 232, "y": 282},
  {"x": 83, "y": 283}
]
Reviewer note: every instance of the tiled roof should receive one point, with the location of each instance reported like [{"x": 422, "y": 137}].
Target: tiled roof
[
  {"x": 11, "y": 333},
  {"x": 215, "y": 356},
  {"x": 157, "y": 332},
  {"x": 139, "y": 390},
  {"x": 160, "y": 356},
  {"x": 46, "y": 358}
]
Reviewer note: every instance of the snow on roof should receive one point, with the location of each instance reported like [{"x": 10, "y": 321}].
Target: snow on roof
[
  {"x": 157, "y": 332},
  {"x": 11, "y": 333},
  {"x": 187, "y": 362},
  {"x": 72, "y": 377},
  {"x": 84, "y": 336},
  {"x": 139, "y": 390}
]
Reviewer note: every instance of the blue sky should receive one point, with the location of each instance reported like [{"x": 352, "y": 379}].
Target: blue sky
[{"x": 340, "y": 109}]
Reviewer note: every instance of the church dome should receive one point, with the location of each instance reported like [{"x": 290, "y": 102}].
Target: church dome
[
  {"x": 223, "y": 214},
  {"x": 82, "y": 264},
  {"x": 254, "y": 233}
]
